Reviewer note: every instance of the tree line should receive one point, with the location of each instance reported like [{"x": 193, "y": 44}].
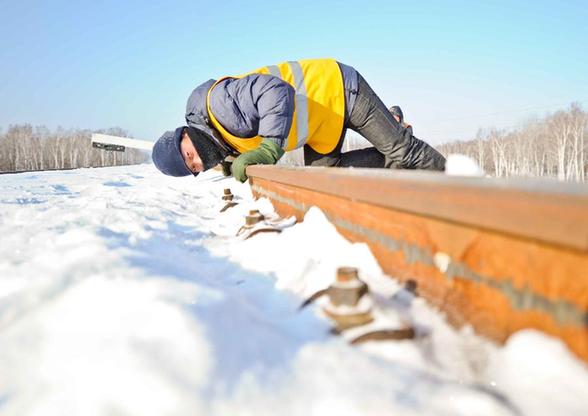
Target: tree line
[
  {"x": 555, "y": 145},
  {"x": 25, "y": 148}
]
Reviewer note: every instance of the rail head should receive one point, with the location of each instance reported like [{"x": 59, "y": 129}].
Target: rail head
[{"x": 544, "y": 210}]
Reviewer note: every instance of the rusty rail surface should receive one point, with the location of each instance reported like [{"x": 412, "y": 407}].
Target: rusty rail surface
[{"x": 501, "y": 255}]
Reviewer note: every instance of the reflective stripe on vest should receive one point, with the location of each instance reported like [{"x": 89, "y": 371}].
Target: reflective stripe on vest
[{"x": 319, "y": 105}]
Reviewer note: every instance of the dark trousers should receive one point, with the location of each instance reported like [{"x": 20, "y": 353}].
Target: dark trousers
[{"x": 394, "y": 146}]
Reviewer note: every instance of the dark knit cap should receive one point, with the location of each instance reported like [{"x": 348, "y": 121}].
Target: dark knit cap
[
  {"x": 207, "y": 149},
  {"x": 396, "y": 111},
  {"x": 167, "y": 156}
]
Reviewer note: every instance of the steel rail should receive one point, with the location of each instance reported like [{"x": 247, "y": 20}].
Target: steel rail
[{"x": 501, "y": 255}]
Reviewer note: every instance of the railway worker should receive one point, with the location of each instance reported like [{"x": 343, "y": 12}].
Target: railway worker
[
  {"x": 258, "y": 116},
  {"x": 396, "y": 112}
]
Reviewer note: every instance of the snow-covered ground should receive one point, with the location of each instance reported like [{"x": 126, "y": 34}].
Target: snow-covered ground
[{"x": 125, "y": 292}]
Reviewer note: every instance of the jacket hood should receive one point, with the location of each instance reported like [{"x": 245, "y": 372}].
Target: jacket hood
[{"x": 196, "y": 113}]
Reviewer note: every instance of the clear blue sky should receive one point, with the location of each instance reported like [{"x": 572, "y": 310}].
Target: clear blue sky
[{"x": 453, "y": 67}]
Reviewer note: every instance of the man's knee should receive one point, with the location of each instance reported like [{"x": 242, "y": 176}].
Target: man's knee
[
  {"x": 363, "y": 158},
  {"x": 313, "y": 158},
  {"x": 322, "y": 161}
]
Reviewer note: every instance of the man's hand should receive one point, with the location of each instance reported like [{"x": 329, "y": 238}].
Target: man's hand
[{"x": 268, "y": 153}]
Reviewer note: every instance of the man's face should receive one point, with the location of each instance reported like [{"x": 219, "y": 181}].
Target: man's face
[
  {"x": 396, "y": 117},
  {"x": 190, "y": 155}
]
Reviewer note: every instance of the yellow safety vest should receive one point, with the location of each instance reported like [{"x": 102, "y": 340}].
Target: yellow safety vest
[{"x": 319, "y": 105}]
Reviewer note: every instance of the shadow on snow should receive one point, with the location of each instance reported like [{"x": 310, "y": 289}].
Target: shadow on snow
[{"x": 251, "y": 326}]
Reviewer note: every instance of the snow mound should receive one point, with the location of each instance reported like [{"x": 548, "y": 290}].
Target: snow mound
[
  {"x": 462, "y": 165},
  {"x": 127, "y": 292}
]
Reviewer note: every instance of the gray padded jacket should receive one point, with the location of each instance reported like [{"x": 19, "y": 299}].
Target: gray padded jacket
[{"x": 256, "y": 104}]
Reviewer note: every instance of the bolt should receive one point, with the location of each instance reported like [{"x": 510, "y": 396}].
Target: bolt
[
  {"x": 347, "y": 289},
  {"x": 346, "y": 274},
  {"x": 348, "y": 296},
  {"x": 253, "y": 218},
  {"x": 227, "y": 195},
  {"x": 411, "y": 286}
]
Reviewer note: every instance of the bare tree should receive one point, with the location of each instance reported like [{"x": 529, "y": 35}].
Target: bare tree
[
  {"x": 23, "y": 147},
  {"x": 552, "y": 146}
]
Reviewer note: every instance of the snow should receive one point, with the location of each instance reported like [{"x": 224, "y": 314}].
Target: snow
[
  {"x": 462, "y": 165},
  {"x": 126, "y": 292}
]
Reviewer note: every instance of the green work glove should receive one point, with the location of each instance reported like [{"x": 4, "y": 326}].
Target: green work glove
[{"x": 268, "y": 153}]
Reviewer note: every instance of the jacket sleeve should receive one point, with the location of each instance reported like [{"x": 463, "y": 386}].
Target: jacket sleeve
[
  {"x": 268, "y": 153},
  {"x": 273, "y": 101}
]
